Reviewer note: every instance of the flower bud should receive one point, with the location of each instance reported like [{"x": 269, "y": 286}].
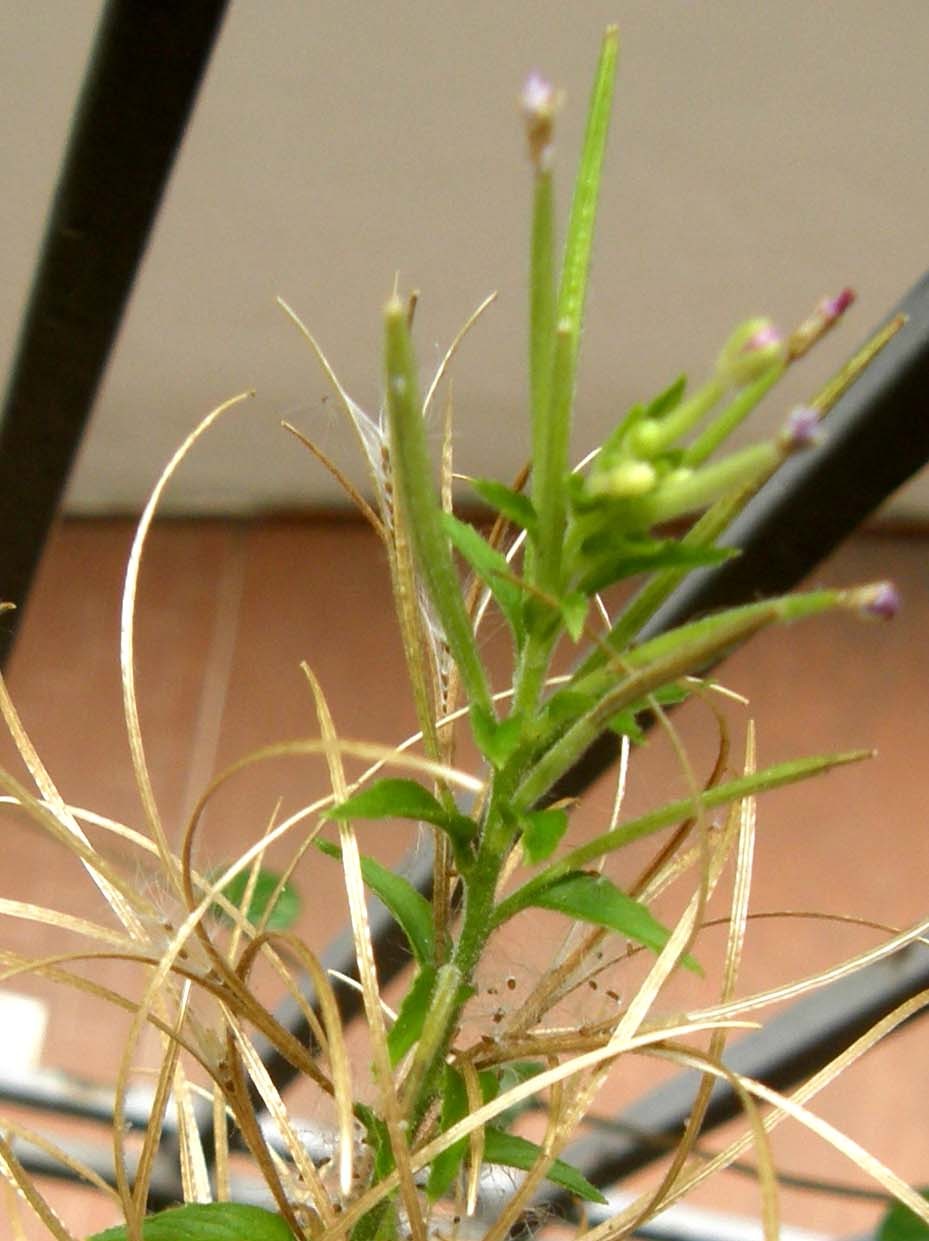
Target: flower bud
[
  {"x": 801, "y": 430},
  {"x": 752, "y": 349},
  {"x": 647, "y": 438},
  {"x": 814, "y": 326},
  {"x": 539, "y": 102},
  {"x": 625, "y": 481},
  {"x": 878, "y": 602}
]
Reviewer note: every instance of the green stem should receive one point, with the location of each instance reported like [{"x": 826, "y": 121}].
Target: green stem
[
  {"x": 680, "y": 496},
  {"x": 550, "y": 466},
  {"x": 552, "y": 418},
  {"x": 444, "y": 1006},
  {"x": 688, "y": 649},
  {"x": 415, "y": 491},
  {"x": 772, "y": 777},
  {"x": 735, "y": 413},
  {"x": 541, "y": 301}
]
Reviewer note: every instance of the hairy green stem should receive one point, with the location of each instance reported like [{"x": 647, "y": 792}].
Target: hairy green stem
[
  {"x": 732, "y": 416},
  {"x": 743, "y": 786},
  {"x": 665, "y": 658}
]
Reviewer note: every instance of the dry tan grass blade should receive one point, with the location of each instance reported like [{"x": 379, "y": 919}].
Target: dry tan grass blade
[
  {"x": 516, "y": 1094},
  {"x": 277, "y": 1110},
  {"x": 367, "y": 972},
  {"x": 812, "y": 982},
  {"x": 847, "y": 1146},
  {"x": 333, "y": 1041},
  {"x": 11, "y": 1168},
  {"x": 59, "y": 812},
  {"x": 453, "y": 349},
  {"x": 804, "y": 1093},
  {"x": 127, "y": 640},
  {"x": 342, "y": 479},
  {"x": 195, "y": 1175}
]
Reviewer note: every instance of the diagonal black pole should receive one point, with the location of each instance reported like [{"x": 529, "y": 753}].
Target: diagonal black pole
[{"x": 142, "y": 80}]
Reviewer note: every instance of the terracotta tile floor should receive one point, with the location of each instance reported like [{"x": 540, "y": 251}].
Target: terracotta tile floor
[{"x": 227, "y": 611}]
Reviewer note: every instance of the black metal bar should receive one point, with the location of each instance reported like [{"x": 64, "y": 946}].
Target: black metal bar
[{"x": 144, "y": 72}]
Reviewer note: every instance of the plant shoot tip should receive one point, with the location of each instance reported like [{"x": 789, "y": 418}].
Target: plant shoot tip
[
  {"x": 540, "y": 103},
  {"x": 394, "y": 307}
]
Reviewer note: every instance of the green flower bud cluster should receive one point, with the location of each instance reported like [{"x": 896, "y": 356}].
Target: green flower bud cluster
[{"x": 652, "y": 467}]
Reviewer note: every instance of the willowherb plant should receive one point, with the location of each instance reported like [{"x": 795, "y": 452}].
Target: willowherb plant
[{"x": 446, "y": 1081}]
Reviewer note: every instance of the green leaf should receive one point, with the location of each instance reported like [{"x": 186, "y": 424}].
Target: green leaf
[
  {"x": 405, "y": 799},
  {"x": 607, "y": 558},
  {"x": 444, "y": 1167},
  {"x": 497, "y": 740},
  {"x": 410, "y": 909},
  {"x": 286, "y": 909},
  {"x": 513, "y": 505},
  {"x": 565, "y": 706},
  {"x": 513, "y": 1074},
  {"x": 665, "y": 401},
  {"x": 211, "y": 1221},
  {"x": 901, "y": 1224},
  {"x": 406, "y": 1030},
  {"x": 626, "y": 722},
  {"x": 392, "y": 799},
  {"x": 515, "y": 1152},
  {"x": 542, "y": 830},
  {"x": 594, "y": 898},
  {"x": 574, "y": 613},
  {"x": 491, "y": 567}
]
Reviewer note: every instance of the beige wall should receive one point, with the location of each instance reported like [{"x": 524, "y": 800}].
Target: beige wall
[{"x": 762, "y": 155}]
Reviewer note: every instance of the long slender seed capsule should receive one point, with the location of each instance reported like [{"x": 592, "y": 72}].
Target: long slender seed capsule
[{"x": 415, "y": 490}]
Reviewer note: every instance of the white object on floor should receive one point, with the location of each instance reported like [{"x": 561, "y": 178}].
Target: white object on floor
[{"x": 23, "y": 1021}]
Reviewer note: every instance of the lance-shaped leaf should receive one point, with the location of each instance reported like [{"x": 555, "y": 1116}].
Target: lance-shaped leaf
[
  {"x": 396, "y": 798},
  {"x": 497, "y": 740},
  {"x": 596, "y": 899},
  {"x": 444, "y": 1167},
  {"x": 513, "y": 505},
  {"x": 211, "y": 1221},
  {"x": 410, "y": 909},
  {"x": 286, "y": 907},
  {"x": 773, "y": 777},
  {"x": 606, "y": 559},
  {"x": 515, "y": 1152},
  {"x": 406, "y": 1030},
  {"x": 542, "y": 833},
  {"x": 491, "y": 567}
]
